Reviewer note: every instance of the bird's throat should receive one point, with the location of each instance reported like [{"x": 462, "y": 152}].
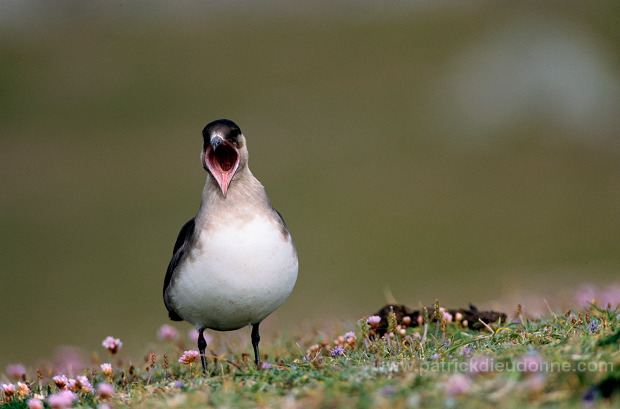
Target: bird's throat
[{"x": 223, "y": 162}]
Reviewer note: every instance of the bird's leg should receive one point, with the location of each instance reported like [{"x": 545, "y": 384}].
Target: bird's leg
[
  {"x": 202, "y": 346},
  {"x": 255, "y": 341}
]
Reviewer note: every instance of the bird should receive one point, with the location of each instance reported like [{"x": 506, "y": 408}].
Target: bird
[{"x": 235, "y": 262}]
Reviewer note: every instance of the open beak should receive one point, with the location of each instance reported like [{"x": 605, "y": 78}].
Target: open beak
[{"x": 222, "y": 160}]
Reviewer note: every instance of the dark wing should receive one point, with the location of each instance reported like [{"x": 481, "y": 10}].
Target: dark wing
[
  {"x": 180, "y": 247},
  {"x": 283, "y": 228}
]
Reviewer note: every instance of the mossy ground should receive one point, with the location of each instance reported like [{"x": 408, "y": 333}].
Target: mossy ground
[{"x": 562, "y": 360}]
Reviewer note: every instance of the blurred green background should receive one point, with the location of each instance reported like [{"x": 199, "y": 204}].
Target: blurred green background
[{"x": 452, "y": 150}]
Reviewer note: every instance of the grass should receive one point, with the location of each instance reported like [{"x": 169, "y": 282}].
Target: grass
[{"x": 562, "y": 360}]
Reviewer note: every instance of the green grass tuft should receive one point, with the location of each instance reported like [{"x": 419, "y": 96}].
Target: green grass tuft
[{"x": 568, "y": 360}]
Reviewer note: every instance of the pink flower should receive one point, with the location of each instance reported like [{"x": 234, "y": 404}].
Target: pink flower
[
  {"x": 23, "y": 389},
  {"x": 610, "y": 295},
  {"x": 586, "y": 295},
  {"x": 530, "y": 363},
  {"x": 167, "y": 333},
  {"x": 313, "y": 352},
  {"x": 8, "y": 389},
  {"x": 589, "y": 294},
  {"x": 105, "y": 390},
  {"x": 69, "y": 360},
  {"x": 446, "y": 315},
  {"x": 83, "y": 384},
  {"x": 72, "y": 385},
  {"x": 192, "y": 334},
  {"x": 35, "y": 404},
  {"x": 62, "y": 400},
  {"x": 457, "y": 384},
  {"x": 112, "y": 344},
  {"x": 107, "y": 369},
  {"x": 189, "y": 357},
  {"x": 536, "y": 382},
  {"x": 16, "y": 371},
  {"x": 373, "y": 320},
  {"x": 60, "y": 381}
]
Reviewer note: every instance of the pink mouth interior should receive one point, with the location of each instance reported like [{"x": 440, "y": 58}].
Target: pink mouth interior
[{"x": 223, "y": 159}]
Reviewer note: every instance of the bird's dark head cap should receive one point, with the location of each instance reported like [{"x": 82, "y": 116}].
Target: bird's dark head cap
[{"x": 223, "y": 129}]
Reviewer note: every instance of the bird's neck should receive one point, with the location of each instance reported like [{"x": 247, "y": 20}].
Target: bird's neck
[{"x": 245, "y": 196}]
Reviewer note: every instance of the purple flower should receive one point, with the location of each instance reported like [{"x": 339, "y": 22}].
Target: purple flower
[
  {"x": 62, "y": 400},
  {"x": 593, "y": 327},
  {"x": 466, "y": 351},
  {"x": 265, "y": 365},
  {"x": 388, "y": 390},
  {"x": 16, "y": 371},
  {"x": 589, "y": 397},
  {"x": 112, "y": 344},
  {"x": 167, "y": 333},
  {"x": 337, "y": 351}
]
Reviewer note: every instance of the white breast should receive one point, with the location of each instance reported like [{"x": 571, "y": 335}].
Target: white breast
[{"x": 237, "y": 274}]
